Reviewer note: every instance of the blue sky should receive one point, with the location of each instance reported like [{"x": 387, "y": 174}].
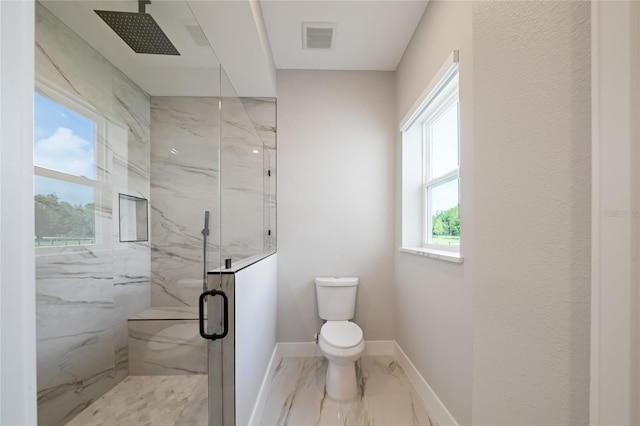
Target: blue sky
[
  {"x": 63, "y": 141},
  {"x": 444, "y": 158}
]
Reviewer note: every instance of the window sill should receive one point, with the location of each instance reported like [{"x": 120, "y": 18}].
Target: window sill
[{"x": 447, "y": 256}]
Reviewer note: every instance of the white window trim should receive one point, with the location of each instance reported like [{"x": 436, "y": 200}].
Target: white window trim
[
  {"x": 433, "y": 89},
  {"x": 102, "y": 197},
  {"x": 450, "y": 97},
  {"x": 439, "y": 80}
]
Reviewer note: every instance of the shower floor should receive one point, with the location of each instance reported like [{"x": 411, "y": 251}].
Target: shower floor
[{"x": 150, "y": 400}]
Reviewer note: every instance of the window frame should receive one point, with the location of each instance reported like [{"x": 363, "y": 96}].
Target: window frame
[
  {"x": 102, "y": 230},
  {"x": 446, "y": 98},
  {"x": 412, "y": 175}
]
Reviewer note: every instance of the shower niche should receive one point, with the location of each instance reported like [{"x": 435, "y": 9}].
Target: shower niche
[{"x": 133, "y": 218}]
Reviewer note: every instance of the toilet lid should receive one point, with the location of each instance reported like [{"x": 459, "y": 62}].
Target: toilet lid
[{"x": 341, "y": 334}]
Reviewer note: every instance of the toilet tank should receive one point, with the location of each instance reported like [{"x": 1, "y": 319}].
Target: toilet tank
[{"x": 336, "y": 297}]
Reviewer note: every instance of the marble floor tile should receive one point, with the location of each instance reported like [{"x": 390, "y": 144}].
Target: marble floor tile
[
  {"x": 297, "y": 396},
  {"x": 150, "y": 401}
]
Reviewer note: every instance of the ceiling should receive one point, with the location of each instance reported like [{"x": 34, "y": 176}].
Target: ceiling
[
  {"x": 251, "y": 38},
  {"x": 370, "y": 35},
  {"x": 193, "y": 73}
]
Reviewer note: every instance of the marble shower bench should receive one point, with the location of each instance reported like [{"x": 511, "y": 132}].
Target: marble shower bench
[{"x": 166, "y": 341}]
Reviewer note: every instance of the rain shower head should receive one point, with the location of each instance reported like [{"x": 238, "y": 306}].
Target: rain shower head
[{"x": 139, "y": 30}]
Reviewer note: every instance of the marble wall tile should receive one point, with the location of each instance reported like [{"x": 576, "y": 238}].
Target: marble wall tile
[
  {"x": 78, "y": 300},
  {"x": 262, "y": 113},
  {"x": 121, "y": 350},
  {"x": 131, "y": 278},
  {"x": 58, "y": 405},
  {"x": 131, "y": 110},
  {"x": 248, "y": 129},
  {"x": 186, "y": 167},
  {"x": 168, "y": 313},
  {"x": 166, "y": 347},
  {"x": 74, "y": 319},
  {"x": 184, "y": 184},
  {"x": 131, "y": 106},
  {"x": 65, "y": 60}
]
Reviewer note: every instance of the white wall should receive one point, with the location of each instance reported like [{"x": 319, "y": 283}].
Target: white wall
[
  {"x": 335, "y": 182},
  {"x": 434, "y": 297},
  {"x": 532, "y": 186},
  {"x": 17, "y": 280},
  {"x": 255, "y": 325}
]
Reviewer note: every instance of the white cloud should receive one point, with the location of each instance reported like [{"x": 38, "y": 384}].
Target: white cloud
[{"x": 66, "y": 152}]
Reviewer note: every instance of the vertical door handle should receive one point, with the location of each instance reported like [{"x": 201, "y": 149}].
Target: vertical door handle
[{"x": 225, "y": 314}]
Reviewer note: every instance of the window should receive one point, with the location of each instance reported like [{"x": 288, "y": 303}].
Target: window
[
  {"x": 431, "y": 169},
  {"x": 441, "y": 168},
  {"x": 66, "y": 181}
]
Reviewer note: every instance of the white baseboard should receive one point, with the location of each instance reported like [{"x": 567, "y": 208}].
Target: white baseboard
[
  {"x": 258, "y": 407},
  {"x": 437, "y": 409}
]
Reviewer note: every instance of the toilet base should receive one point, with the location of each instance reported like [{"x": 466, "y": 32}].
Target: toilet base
[{"x": 341, "y": 381}]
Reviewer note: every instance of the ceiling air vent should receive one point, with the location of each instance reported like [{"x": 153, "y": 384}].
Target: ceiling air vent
[{"x": 318, "y": 35}]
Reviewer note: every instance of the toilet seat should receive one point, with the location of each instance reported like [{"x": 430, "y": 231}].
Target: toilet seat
[{"x": 341, "y": 334}]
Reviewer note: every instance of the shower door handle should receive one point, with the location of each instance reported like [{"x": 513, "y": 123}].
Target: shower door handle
[{"x": 225, "y": 314}]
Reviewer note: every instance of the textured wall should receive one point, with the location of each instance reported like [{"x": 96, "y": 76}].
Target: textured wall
[
  {"x": 434, "y": 310},
  {"x": 85, "y": 295},
  {"x": 532, "y": 197},
  {"x": 335, "y": 184}
]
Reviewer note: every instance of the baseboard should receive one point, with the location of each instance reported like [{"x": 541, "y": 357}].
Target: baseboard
[
  {"x": 437, "y": 409},
  {"x": 258, "y": 407}
]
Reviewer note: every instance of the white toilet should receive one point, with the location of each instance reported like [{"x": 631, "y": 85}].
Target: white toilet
[{"x": 340, "y": 340}]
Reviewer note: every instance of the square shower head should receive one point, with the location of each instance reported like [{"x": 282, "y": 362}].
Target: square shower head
[{"x": 140, "y": 31}]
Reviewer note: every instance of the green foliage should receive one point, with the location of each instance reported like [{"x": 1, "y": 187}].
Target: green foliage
[
  {"x": 55, "y": 218},
  {"x": 446, "y": 222}
]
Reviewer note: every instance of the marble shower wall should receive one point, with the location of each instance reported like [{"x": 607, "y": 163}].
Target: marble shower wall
[
  {"x": 86, "y": 294},
  {"x": 184, "y": 184},
  {"x": 187, "y": 160}
]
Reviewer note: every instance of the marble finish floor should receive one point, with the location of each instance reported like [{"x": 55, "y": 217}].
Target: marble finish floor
[
  {"x": 297, "y": 396},
  {"x": 150, "y": 401}
]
